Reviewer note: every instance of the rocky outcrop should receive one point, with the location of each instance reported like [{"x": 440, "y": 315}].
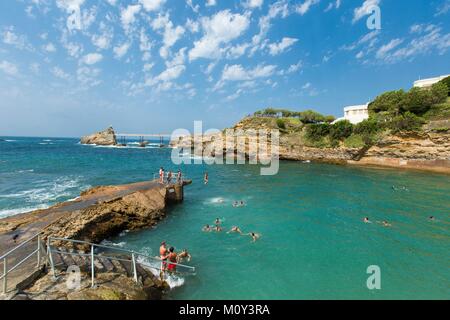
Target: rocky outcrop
[
  {"x": 102, "y": 138},
  {"x": 429, "y": 150},
  {"x": 94, "y": 224}
]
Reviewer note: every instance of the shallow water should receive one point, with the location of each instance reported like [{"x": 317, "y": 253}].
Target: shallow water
[{"x": 314, "y": 244}]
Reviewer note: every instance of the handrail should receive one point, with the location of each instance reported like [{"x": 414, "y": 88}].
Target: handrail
[
  {"x": 114, "y": 249},
  {"x": 20, "y": 246},
  {"x": 5, "y": 256}
]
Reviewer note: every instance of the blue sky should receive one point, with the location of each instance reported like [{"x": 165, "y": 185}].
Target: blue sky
[{"x": 70, "y": 67}]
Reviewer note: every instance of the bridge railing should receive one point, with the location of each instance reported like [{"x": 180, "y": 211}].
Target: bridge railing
[
  {"x": 133, "y": 257},
  {"x": 4, "y": 259}
]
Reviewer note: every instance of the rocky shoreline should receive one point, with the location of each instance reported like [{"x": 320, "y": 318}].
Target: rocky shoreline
[
  {"x": 98, "y": 214},
  {"x": 429, "y": 151}
]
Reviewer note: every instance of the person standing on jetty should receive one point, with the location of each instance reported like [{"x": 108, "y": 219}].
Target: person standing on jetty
[
  {"x": 169, "y": 177},
  {"x": 179, "y": 177},
  {"x": 161, "y": 175}
]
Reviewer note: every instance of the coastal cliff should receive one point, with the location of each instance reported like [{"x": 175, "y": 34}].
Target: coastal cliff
[
  {"x": 428, "y": 150},
  {"x": 103, "y": 138}
]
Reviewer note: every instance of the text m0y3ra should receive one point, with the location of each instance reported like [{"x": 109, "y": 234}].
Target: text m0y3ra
[{"x": 238, "y": 309}]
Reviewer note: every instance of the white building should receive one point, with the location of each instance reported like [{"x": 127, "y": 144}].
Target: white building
[
  {"x": 426, "y": 83},
  {"x": 355, "y": 114}
]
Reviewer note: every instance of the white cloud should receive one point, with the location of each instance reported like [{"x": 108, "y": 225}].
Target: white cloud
[
  {"x": 8, "y": 68},
  {"x": 336, "y": 4},
  {"x": 128, "y": 16},
  {"x": 170, "y": 33},
  {"x": 49, "y": 47},
  {"x": 304, "y": 7},
  {"x": 121, "y": 50},
  {"x": 364, "y": 10},
  {"x": 239, "y": 73},
  {"x": 152, "y": 5},
  {"x": 19, "y": 41},
  {"x": 92, "y": 58},
  {"x": 210, "y": 3},
  {"x": 104, "y": 39},
  {"x": 192, "y": 26},
  {"x": 219, "y": 29},
  {"x": 384, "y": 50},
  {"x": 277, "y": 48},
  {"x": 59, "y": 73},
  {"x": 253, "y": 4}
]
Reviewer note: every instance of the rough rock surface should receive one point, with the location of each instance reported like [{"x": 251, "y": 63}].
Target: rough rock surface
[
  {"x": 428, "y": 151},
  {"x": 109, "y": 286},
  {"x": 134, "y": 211},
  {"x": 102, "y": 138}
]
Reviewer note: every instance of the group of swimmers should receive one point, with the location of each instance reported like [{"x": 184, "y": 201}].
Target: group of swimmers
[
  {"x": 386, "y": 224},
  {"x": 235, "y": 229}
]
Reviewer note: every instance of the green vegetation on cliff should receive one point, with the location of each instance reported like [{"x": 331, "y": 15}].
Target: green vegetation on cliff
[{"x": 392, "y": 112}]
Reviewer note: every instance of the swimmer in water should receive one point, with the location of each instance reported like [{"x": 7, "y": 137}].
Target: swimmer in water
[
  {"x": 207, "y": 228},
  {"x": 206, "y": 178},
  {"x": 235, "y": 204},
  {"x": 432, "y": 218},
  {"x": 217, "y": 222},
  {"x": 242, "y": 204},
  {"x": 366, "y": 220},
  {"x": 218, "y": 228},
  {"x": 184, "y": 255},
  {"x": 255, "y": 236},
  {"x": 235, "y": 230},
  {"x": 386, "y": 224}
]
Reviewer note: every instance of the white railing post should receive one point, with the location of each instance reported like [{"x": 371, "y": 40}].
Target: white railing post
[
  {"x": 92, "y": 267},
  {"x": 5, "y": 270},
  {"x": 38, "y": 251},
  {"x": 135, "y": 276},
  {"x": 50, "y": 257}
]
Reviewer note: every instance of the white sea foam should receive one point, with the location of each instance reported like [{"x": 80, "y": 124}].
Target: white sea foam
[
  {"x": 10, "y": 140},
  {"x": 113, "y": 244},
  {"x": 13, "y": 212},
  {"x": 154, "y": 266}
]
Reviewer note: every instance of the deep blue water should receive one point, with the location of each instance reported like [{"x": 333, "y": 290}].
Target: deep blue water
[{"x": 314, "y": 244}]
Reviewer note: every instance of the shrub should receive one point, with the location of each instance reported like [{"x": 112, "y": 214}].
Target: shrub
[
  {"x": 367, "y": 127},
  {"x": 281, "y": 124},
  {"x": 329, "y": 119},
  {"x": 439, "y": 92},
  {"x": 391, "y": 101},
  {"x": 446, "y": 81},
  {"x": 406, "y": 122},
  {"x": 354, "y": 141},
  {"x": 317, "y": 131},
  {"x": 418, "y": 101},
  {"x": 341, "y": 130},
  {"x": 310, "y": 116}
]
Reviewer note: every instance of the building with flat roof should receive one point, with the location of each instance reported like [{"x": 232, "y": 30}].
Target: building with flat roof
[
  {"x": 355, "y": 114},
  {"x": 426, "y": 83}
]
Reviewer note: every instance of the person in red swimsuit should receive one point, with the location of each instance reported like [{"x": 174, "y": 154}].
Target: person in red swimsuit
[{"x": 173, "y": 257}]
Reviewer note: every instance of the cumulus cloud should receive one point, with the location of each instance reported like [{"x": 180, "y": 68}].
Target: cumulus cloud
[
  {"x": 92, "y": 58},
  {"x": 128, "y": 16},
  {"x": 253, "y": 4},
  {"x": 219, "y": 29},
  {"x": 304, "y": 7},
  {"x": 59, "y": 73},
  {"x": 210, "y": 3},
  {"x": 278, "y": 48},
  {"x": 170, "y": 33},
  {"x": 152, "y": 5},
  {"x": 238, "y": 73},
  {"x": 121, "y": 50},
  {"x": 9, "y": 68}
]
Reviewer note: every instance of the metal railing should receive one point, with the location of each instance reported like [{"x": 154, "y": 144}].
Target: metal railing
[
  {"x": 4, "y": 258},
  {"x": 92, "y": 255}
]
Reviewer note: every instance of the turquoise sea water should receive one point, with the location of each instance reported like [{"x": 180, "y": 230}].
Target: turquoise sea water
[{"x": 314, "y": 244}]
